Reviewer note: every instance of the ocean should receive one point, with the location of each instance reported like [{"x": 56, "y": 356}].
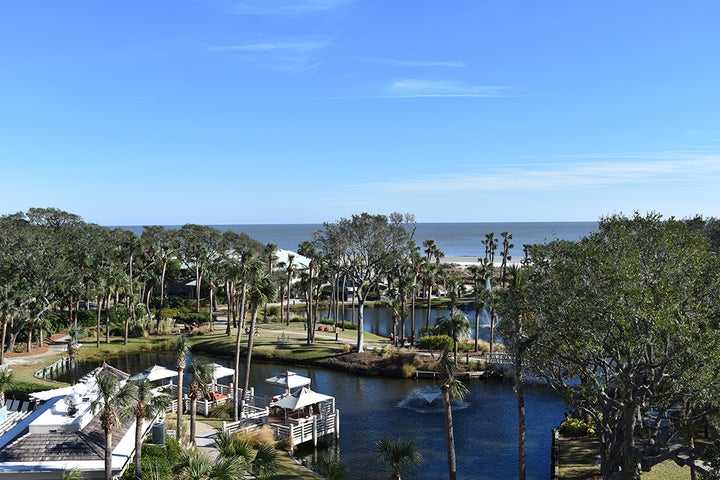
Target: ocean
[{"x": 455, "y": 240}]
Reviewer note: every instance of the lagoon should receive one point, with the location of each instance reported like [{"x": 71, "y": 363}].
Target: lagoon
[{"x": 372, "y": 408}]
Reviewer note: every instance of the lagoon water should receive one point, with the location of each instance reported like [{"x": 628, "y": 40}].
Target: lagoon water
[{"x": 485, "y": 423}]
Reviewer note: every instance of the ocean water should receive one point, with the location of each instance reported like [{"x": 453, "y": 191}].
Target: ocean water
[{"x": 453, "y": 239}]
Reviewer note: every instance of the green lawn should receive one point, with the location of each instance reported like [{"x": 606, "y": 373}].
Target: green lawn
[{"x": 578, "y": 458}]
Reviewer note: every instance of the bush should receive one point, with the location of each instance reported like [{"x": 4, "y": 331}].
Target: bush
[
  {"x": 574, "y": 427},
  {"x": 192, "y": 317},
  {"x": 436, "y": 342},
  {"x": 157, "y": 459},
  {"x": 409, "y": 370}
]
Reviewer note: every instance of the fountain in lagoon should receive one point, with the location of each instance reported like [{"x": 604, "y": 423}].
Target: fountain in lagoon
[{"x": 427, "y": 399}]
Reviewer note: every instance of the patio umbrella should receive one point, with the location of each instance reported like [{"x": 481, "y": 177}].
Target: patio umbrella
[
  {"x": 288, "y": 380},
  {"x": 156, "y": 372},
  {"x": 219, "y": 371},
  {"x": 302, "y": 399}
]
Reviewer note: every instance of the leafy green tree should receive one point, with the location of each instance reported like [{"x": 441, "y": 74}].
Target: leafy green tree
[
  {"x": 110, "y": 403},
  {"x": 365, "y": 247},
  {"x": 621, "y": 320},
  {"x": 143, "y": 405},
  {"x": 198, "y": 244},
  {"x": 398, "y": 455}
]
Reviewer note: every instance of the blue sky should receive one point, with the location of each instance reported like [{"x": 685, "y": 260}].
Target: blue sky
[{"x": 136, "y": 112}]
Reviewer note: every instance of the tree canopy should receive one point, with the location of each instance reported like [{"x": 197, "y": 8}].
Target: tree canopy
[{"x": 624, "y": 326}]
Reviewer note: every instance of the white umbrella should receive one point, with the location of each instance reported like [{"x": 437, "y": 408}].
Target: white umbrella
[
  {"x": 156, "y": 372},
  {"x": 219, "y": 371},
  {"x": 302, "y": 399},
  {"x": 289, "y": 380}
]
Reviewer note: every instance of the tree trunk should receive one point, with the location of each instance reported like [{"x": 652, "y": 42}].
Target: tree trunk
[
  {"x": 493, "y": 318},
  {"x": 107, "y": 319},
  {"x": 521, "y": 417},
  {"x": 138, "y": 447},
  {"x": 477, "y": 329},
  {"x": 99, "y": 311},
  {"x": 108, "y": 454},
  {"x": 248, "y": 356},
  {"x": 178, "y": 427},
  {"x": 2, "y": 341},
  {"x": 236, "y": 398},
  {"x": 193, "y": 417},
  {"x": 361, "y": 324},
  {"x": 449, "y": 434}
]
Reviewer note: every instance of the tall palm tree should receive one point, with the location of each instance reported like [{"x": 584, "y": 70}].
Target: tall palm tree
[
  {"x": 202, "y": 376},
  {"x": 143, "y": 405},
  {"x": 397, "y": 455},
  {"x": 181, "y": 350},
  {"x": 290, "y": 270},
  {"x": 110, "y": 403},
  {"x": 261, "y": 289},
  {"x": 74, "y": 333},
  {"x": 451, "y": 388}
]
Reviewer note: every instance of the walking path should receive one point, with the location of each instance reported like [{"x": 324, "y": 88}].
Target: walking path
[{"x": 57, "y": 345}]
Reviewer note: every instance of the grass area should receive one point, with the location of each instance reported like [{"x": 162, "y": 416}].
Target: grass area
[{"x": 577, "y": 458}]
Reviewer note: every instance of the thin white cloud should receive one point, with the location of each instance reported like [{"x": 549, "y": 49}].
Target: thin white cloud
[
  {"x": 439, "y": 88},
  {"x": 272, "y": 47},
  {"x": 284, "y": 7},
  {"x": 415, "y": 63},
  {"x": 296, "y": 56},
  {"x": 531, "y": 177}
]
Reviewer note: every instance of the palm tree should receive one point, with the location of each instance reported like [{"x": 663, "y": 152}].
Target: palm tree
[
  {"x": 451, "y": 388},
  {"x": 110, "y": 402},
  {"x": 6, "y": 378},
  {"x": 144, "y": 405},
  {"x": 232, "y": 445},
  {"x": 261, "y": 289},
  {"x": 265, "y": 464},
  {"x": 336, "y": 470},
  {"x": 397, "y": 455},
  {"x": 505, "y": 254},
  {"x": 455, "y": 325},
  {"x": 74, "y": 332},
  {"x": 290, "y": 270},
  {"x": 181, "y": 350},
  {"x": 73, "y": 474},
  {"x": 195, "y": 465},
  {"x": 202, "y": 375}
]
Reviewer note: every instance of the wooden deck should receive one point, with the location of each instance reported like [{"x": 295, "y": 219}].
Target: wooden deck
[{"x": 296, "y": 426}]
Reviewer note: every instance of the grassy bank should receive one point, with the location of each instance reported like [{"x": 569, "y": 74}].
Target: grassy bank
[{"x": 577, "y": 460}]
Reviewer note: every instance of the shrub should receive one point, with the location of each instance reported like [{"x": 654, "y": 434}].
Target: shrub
[
  {"x": 222, "y": 410},
  {"x": 574, "y": 427},
  {"x": 436, "y": 342},
  {"x": 409, "y": 370}
]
